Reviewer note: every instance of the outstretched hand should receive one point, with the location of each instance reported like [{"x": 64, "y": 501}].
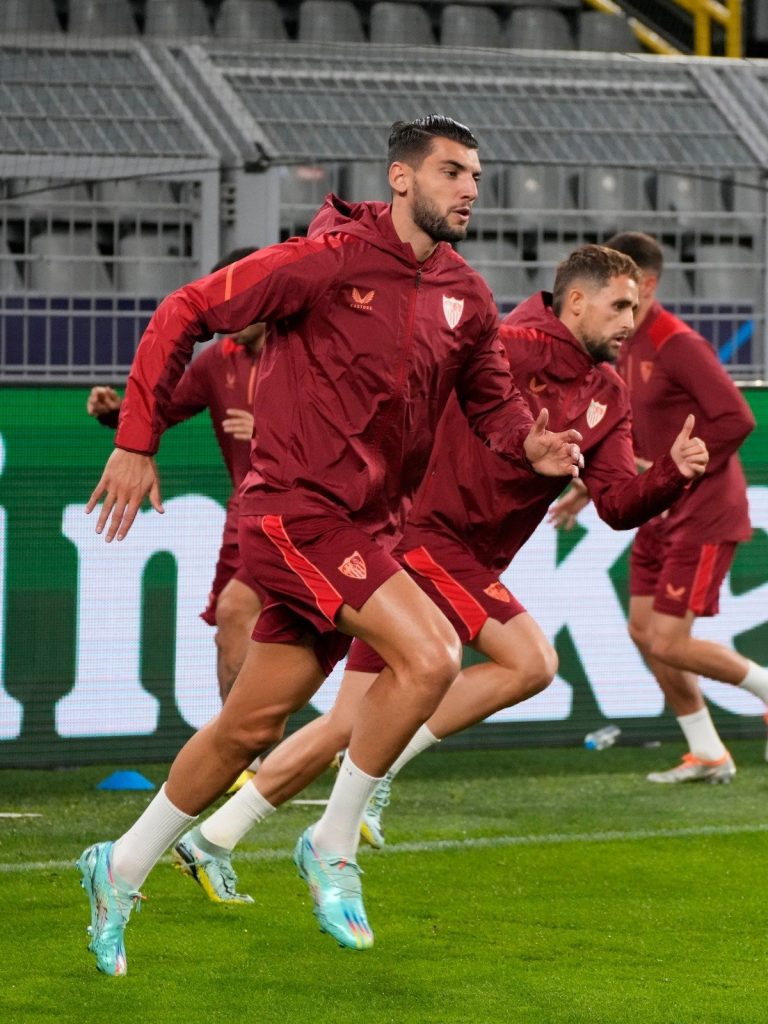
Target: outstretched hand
[
  {"x": 127, "y": 479},
  {"x": 690, "y": 453},
  {"x": 553, "y": 454}
]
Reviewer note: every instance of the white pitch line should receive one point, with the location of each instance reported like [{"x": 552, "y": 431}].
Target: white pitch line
[
  {"x": 18, "y": 814},
  {"x": 448, "y": 845}
]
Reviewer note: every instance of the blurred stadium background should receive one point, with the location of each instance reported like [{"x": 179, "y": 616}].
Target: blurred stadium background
[{"x": 142, "y": 139}]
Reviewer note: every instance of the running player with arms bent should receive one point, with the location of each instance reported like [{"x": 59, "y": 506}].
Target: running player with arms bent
[{"x": 347, "y": 403}]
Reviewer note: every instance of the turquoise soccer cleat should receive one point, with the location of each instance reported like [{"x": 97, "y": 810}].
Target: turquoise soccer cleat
[
  {"x": 334, "y": 883},
  {"x": 214, "y": 874},
  {"x": 370, "y": 827},
  {"x": 111, "y": 906}
]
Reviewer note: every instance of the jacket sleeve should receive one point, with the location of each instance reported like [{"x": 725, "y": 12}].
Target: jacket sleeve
[
  {"x": 623, "y": 498},
  {"x": 695, "y": 367},
  {"x": 271, "y": 284},
  {"x": 490, "y": 399}
]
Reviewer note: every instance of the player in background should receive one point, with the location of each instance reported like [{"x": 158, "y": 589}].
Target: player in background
[
  {"x": 221, "y": 379},
  {"x": 680, "y": 558},
  {"x": 472, "y": 515},
  {"x": 374, "y": 321}
]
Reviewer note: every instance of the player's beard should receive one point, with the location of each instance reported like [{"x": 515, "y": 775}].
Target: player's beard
[
  {"x": 427, "y": 217},
  {"x": 600, "y": 349}
]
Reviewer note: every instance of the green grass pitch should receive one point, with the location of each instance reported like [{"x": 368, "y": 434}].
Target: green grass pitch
[{"x": 519, "y": 885}]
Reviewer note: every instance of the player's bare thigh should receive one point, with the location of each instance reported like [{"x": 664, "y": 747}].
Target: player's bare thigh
[{"x": 518, "y": 644}]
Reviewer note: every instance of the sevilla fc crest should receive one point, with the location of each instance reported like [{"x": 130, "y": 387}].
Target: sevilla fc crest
[
  {"x": 453, "y": 308},
  {"x": 646, "y": 369},
  {"x": 354, "y": 566},
  {"x": 595, "y": 413},
  {"x": 498, "y": 592}
]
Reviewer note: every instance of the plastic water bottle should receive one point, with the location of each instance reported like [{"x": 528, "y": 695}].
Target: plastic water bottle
[{"x": 602, "y": 738}]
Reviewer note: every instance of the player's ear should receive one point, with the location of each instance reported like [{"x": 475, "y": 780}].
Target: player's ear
[{"x": 400, "y": 177}]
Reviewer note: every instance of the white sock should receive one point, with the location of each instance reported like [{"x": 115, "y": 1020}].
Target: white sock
[
  {"x": 702, "y": 736},
  {"x": 227, "y": 826},
  {"x": 338, "y": 831},
  {"x": 137, "y": 851},
  {"x": 421, "y": 740},
  {"x": 756, "y": 681}
]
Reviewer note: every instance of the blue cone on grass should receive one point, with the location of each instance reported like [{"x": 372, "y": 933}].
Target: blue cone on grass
[{"x": 125, "y": 780}]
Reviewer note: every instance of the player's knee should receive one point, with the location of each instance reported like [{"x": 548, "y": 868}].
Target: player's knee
[
  {"x": 434, "y": 665},
  {"x": 533, "y": 673},
  {"x": 666, "y": 649},
  {"x": 639, "y": 636}
]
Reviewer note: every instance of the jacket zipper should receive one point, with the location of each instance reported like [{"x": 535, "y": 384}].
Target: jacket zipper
[{"x": 406, "y": 350}]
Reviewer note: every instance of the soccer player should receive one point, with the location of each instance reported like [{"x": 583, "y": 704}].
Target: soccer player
[
  {"x": 222, "y": 379},
  {"x": 679, "y": 559},
  {"x": 472, "y": 515},
  {"x": 375, "y": 320}
]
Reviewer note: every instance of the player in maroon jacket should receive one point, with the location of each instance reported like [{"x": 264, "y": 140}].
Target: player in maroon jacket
[
  {"x": 376, "y": 321},
  {"x": 679, "y": 559},
  {"x": 221, "y": 379},
  {"x": 472, "y": 515}
]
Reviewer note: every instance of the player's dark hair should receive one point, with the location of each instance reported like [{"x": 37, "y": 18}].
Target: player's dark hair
[
  {"x": 644, "y": 250},
  {"x": 411, "y": 141},
  {"x": 596, "y": 263},
  {"x": 233, "y": 256}
]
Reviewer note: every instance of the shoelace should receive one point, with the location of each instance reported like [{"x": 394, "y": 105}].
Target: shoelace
[{"x": 344, "y": 875}]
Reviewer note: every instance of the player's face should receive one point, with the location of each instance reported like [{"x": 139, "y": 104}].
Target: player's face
[
  {"x": 444, "y": 189},
  {"x": 607, "y": 318}
]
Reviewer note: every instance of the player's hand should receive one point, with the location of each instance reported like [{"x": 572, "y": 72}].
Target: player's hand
[
  {"x": 690, "y": 453},
  {"x": 126, "y": 481},
  {"x": 563, "y": 513},
  {"x": 553, "y": 454},
  {"x": 239, "y": 423},
  {"x": 102, "y": 400}
]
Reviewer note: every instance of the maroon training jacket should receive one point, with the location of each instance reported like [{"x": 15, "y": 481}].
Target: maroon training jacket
[
  {"x": 365, "y": 348},
  {"x": 671, "y": 371},
  {"x": 490, "y": 506}
]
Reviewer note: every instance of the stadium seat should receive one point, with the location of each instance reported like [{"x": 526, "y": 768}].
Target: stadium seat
[
  {"x": 67, "y": 262},
  {"x": 250, "y": 20},
  {"x": 365, "y": 180},
  {"x": 606, "y": 33},
  {"x": 537, "y": 193},
  {"x": 11, "y": 282},
  {"x": 492, "y": 258},
  {"x": 689, "y": 198},
  {"x": 403, "y": 24},
  {"x": 176, "y": 18},
  {"x": 42, "y": 199},
  {"x": 149, "y": 263},
  {"x": 538, "y": 28},
  {"x": 611, "y": 195},
  {"x": 548, "y": 255},
  {"x": 94, "y": 18},
  {"x": 675, "y": 283},
  {"x": 330, "y": 21},
  {"x": 728, "y": 273},
  {"x": 469, "y": 25},
  {"x": 28, "y": 16},
  {"x": 134, "y": 199}
]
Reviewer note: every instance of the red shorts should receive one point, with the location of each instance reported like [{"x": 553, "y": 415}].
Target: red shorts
[
  {"x": 308, "y": 567},
  {"x": 467, "y": 594},
  {"x": 679, "y": 574},
  {"x": 229, "y": 567}
]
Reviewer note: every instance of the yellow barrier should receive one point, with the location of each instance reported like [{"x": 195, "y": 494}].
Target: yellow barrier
[{"x": 727, "y": 14}]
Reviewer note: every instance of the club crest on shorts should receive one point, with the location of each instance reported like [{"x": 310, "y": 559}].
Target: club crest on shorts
[
  {"x": 354, "y": 566},
  {"x": 452, "y": 308},
  {"x": 498, "y": 592},
  {"x": 595, "y": 413}
]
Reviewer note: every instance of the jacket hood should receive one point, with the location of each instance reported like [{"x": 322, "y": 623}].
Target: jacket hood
[
  {"x": 535, "y": 314},
  {"x": 371, "y": 221}
]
